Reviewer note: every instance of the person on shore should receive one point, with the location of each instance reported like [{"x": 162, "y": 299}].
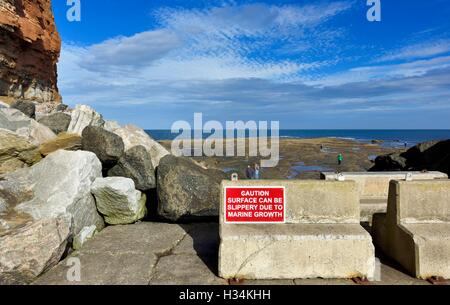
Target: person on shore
[
  {"x": 340, "y": 159},
  {"x": 257, "y": 172},
  {"x": 249, "y": 172}
]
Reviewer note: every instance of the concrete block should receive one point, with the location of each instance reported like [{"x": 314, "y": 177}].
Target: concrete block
[
  {"x": 294, "y": 251},
  {"x": 373, "y": 187},
  {"x": 312, "y": 201},
  {"x": 415, "y": 231},
  {"x": 322, "y": 237}
]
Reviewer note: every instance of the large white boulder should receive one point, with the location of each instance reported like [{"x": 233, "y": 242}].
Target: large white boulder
[
  {"x": 60, "y": 184},
  {"x": 118, "y": 200},
  {"x": 14, "y": 120},
  {"x": 82, "y": 117}
]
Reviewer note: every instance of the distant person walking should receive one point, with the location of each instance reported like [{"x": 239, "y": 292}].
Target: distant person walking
[
  {"x": 250, "y": 172},
  {"x": 257, "y": 173},
  {"x": 340, "y": 159}
]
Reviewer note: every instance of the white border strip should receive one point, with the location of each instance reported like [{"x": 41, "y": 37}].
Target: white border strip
[{"x": 253, "y": 187}]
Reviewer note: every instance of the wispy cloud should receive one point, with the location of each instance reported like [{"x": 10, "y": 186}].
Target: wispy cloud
[
  {"x": 419, "y": 50},
  {"x": 256, "y": 61}
]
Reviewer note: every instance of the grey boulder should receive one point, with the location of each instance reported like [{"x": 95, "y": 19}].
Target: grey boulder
[
  {"x": 26, "y": 107},
  {"x": 186, "y": 190},
  {"x": 106, "y": 145},
  {"x": 136, "y": 164},
  {"x": 58, "y": 122},
  {"x": 133, "y": 136}
]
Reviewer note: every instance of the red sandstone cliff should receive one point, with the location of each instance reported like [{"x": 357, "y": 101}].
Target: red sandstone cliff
[{"x": 29, "y": 50}]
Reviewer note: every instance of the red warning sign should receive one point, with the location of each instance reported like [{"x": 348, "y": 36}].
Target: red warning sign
[{"x": 255, "y": 205}]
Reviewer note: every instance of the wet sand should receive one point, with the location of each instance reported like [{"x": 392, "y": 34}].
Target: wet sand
[{"x": 304, "y": 158}]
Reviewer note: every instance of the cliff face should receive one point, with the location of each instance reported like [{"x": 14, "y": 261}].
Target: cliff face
[{"x": 29, "y": 50}]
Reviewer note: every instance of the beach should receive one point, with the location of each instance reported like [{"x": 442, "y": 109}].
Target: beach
[{"x": 304, "y": 158}]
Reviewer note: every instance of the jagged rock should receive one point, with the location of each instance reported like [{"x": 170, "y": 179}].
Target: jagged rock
[
  {"x": 391, "y": 162},
  {"x": 431, "y": 156},
  {"x": 82, "y": 117},
  {"x": 85, "y": 234},
  {"x": 14, "y": 120},
  {"x": 16, "y": 152},
  {"x": 31, "y": 250},
  {"x": 136, "y": 164},
  {"x": 66, "y": 141},
  {"x": 186, "y": 189},
  {"x": 106, "y": 145},
  {"x": 59, "y": 184},
  {"x": 134, "y": 136},
  {"x": 111, "y": 126},
  {"x": 118, "y": 200},
  {"x": 29, "y": 50},
  {"x": 57, "y": 122},
  {"x": 26, "y": 107}
]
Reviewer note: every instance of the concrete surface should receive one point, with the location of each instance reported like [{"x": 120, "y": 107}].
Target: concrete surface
[
  {"x": 187, "y": 254},
  {"x": 322, "y": 237},
  {"x": 290, "y": 251},
  {"x": 416, "y": 229},
  {"x": 373, "y": 187}
]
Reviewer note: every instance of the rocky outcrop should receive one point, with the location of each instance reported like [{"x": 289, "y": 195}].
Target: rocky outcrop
[
  {"x": 430, "y": 156},
  {"x": 29, "y": 50},
  {"x": 187, "y": 190},
  {"x": 136, "y": 164},
  {"x": 33, "y": 249},
  {"x": 16, "y": 152},
  {"x": 118, "y": 200}
]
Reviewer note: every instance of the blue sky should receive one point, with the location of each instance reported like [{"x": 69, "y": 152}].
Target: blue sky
[{"x": 307, "y": 64}]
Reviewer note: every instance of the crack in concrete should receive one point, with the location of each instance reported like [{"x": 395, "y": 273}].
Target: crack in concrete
[
  {"x": 163, "y": 254},
  {"x": 251, "y": 256}
]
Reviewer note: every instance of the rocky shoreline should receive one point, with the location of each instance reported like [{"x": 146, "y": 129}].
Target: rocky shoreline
[
  {"x": 68, "y": 174},
  {"x": 304, "y": 158}
]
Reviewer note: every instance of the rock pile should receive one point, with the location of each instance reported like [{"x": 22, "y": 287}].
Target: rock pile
[
  {"x": 67, "y": 175},
  {"x": 430, "y": 156}
]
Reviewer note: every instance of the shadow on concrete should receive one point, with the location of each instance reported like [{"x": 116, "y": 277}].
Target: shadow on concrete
[{"x": 205, "y": 239}]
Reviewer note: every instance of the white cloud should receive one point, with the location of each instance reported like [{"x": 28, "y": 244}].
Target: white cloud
[
  {"x": 382, "y": 72},
  {"x": 221, "y": 59},
  {"x": 420, "y": 50}
]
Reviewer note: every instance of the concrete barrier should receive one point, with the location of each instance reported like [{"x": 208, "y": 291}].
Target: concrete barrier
[
  {"x": 415, "y": 231},
  {"x": 322, "y": 236},
  {"x": 373, "y": 187}
]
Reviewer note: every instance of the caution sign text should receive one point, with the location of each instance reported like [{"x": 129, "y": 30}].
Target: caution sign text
[{"x": 255, "y": 205}]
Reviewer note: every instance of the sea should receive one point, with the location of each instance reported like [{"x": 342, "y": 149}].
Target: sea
[{"x": 389, "y": 138}]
